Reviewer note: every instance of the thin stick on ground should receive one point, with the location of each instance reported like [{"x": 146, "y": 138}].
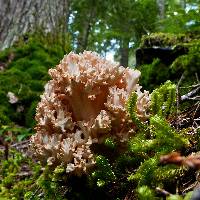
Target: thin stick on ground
[{"x": 178, "y": 99}]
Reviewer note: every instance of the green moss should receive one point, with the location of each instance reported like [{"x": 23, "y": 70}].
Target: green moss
[
  {"x": 4, "y": 55},
  {"x": 30, "y": 113},
  {"x": 159, "y": 138},
  {"x": 25, "y": 76},
  {"x": 131, "y": 108},
  {"x": 163, "y": 99},
  {"x": 37, "y": 72},
  {"x": 144, "y": 192},
  {"x": 12, "y": 185},
  {"x": 5, "y": 109},
  {"x": 104, "y": 174},
  {"x": 164, "y": 40},
  {"x": 188, "y": 64},
  {"x": 154, "y": 74},
  {"x": 51, "y": 182},
  {"x": 174, "y": 197}
]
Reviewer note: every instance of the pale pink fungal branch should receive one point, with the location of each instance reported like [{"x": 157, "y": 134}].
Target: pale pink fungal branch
[
  {"x": 84, "y": 103},
  {"x": 142, "y": 104}
]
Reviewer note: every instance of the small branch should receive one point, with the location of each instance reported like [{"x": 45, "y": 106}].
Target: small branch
[
  {"x": 197, "y": 77},
  {"x": 34, "y": 194},
  {"x": 21, "y": 145},
  {"x": 197, "y": 98},
  {"x": 192, "y": 86},
  {"x": 162, "y": 191},
  {"x": 195, "y": 112},
  {"x": 189, "y": 95},
  {"x": 178, "y": 99},
  {"x": 25, "y": 174}
]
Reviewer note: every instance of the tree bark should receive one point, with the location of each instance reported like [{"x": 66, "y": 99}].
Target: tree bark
[{"x": 21, "y": 16}]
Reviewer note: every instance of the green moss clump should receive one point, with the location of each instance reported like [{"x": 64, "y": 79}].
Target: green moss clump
[
  {"x": 161, "y": 139},
  {"x": 144, "y": 192},
  {"x": 154, "y": 74},
  {"x": 131, "y": 108},
  {"x": 104, "y": 174},
  {"x": 13, "y": 185},
  {"x": 164, "y": 99},
  {"x": 189, "y": 63},
  {"x": 25, "y": 75},
  {"x": 164, "y": 40}
]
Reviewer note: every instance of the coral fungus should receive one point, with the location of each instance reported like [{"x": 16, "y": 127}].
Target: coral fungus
[{"x": 84, "y": 103}]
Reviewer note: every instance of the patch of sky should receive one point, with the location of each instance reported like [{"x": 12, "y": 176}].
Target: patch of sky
[
  {"x": 110, "y": 55},
  {"x": 191, "y": 7},
  {"x": 191, "y": 22}
]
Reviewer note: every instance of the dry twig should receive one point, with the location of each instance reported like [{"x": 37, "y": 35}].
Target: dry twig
[
  {"x": 162, "y": 191},
  {"x": 190, "y": 95},
  {"x": 178, "y": 98}
]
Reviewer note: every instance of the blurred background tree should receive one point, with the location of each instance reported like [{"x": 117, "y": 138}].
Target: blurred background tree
[
  {"x": 102, "y": 26},
  {"x": 180, "y": 16}
]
